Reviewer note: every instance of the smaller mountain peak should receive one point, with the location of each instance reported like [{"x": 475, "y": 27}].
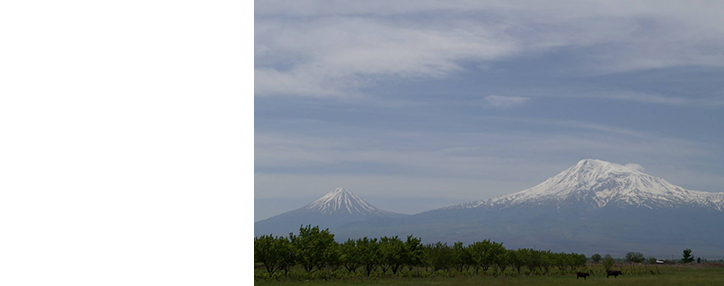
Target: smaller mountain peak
[
  {"x": 342, "y": 201},
  {"x": 339, "y": 190}
]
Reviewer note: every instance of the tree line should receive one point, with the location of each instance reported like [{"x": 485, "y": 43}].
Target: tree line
[{"x": 317, "y": 255}]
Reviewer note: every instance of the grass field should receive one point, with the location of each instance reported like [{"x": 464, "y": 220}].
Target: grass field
[{"x": 669, "y": 275}]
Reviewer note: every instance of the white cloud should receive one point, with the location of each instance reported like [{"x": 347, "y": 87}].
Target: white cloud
[
  {"x": 635, "y": 166},
  {"x": 647, "y": 97},
  {"x": 336, "y": 56},
  {"x": 505, "y": 101},
  {"x": 576, "y": 124},
  {"x": 269, "y": 81},
  {"x": 323, "y": 48},
  {"x": 665, "y": 100}
]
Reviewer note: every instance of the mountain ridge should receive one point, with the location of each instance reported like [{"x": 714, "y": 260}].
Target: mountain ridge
[
  {"x": 599, "y": 183},
  {"x": 593, "y": 206}
]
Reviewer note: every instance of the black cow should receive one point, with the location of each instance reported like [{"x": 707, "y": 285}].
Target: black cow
[
  {"x": 581, "y": 274},
  {"x": 614, "y": 273}
]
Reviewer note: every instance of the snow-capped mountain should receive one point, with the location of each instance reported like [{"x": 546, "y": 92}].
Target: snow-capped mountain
[
  {"x": 593, "y": 206},
  {"x": 599, "y": 183},
  {"x": 335, "y": 209},
  {"x": 342, "y": 202}
]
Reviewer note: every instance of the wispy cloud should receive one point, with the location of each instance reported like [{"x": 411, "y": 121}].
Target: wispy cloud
[
  {"x": 322, "y": 48},
  {"x": 635, "y": 166},
  {"x": 577, "y": 124},
  {"x": 709, "y": 100},
  {"x": 648, "y": 97},
  {"x": 655, "y": 98},
  {"x": 340, "y": 54},
  {"x": 505, "y": 101}
]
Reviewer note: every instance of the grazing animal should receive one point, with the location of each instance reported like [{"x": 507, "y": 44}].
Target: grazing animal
[
  {"x": 614, "y": 273},
  {"x": 582, "y": 274}
]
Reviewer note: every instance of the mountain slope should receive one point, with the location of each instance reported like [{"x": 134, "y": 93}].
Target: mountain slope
[
  {"x": 593, "y": 206},
  {"x": 333, "y": 210},
  {"x": 600, "y": 183}
]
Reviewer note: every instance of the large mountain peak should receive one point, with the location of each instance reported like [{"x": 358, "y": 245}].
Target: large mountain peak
[
  {"x": 592, "y": 169},
  {"x": 340, "y": 201},
  {"x": 600, "y": 183},
  {"x": 591, "y": 172}
]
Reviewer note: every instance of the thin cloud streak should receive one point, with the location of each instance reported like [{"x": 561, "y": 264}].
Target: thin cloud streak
[
  {"x": 575, "y": 124},
  {"x": 340, "y": 55},
  {"x": 630, "y": 96},
  {"x": 662, "y": 99},
  {"x": 505, "y": 101}
]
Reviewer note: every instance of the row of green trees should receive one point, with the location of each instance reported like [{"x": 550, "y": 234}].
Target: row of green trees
[
  {"x": 638, "y": 257},
  {"x": 486, "y": 254},
  {"x": 315, "y": 250}
]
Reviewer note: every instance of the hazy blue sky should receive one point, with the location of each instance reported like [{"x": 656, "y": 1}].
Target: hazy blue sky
[{"x": 414, "y": 105}]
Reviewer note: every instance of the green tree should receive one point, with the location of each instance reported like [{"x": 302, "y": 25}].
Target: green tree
[
  {"x": 608, "y": 262},
  {"x": 392, "y": 252},
  {"x": 688, "y": 258},
  {"x": 439, "y": 256},
  {"x": 332, "y": 256},
  {"x": 480, "y": 255},
  {"x": 532, "y": 259},
  {"x": 461, "y": 256},
  {"x": 545, "y": 260},
  {"x": 516, "y": 259},
  {"x": 484, "y": 254},
  {"x": 312, "y": 246},
  {"x": 269, "y": 251},
  {"x": 369, "y": 253},
  {"x": 286, "y": 254},
  {"x": 350, "y": 255},
  {"x": 565, "y": 261},
  {"x": 596, "y": 257},
  {"x": 503, "y": 259},
  {"x": 498, "y": 255},
  {"x": 634, "y": 257},
  {"x": 560, "y": 260},
  {"x": 578, "y": 260},
  {"x": 414, "y": 252}
]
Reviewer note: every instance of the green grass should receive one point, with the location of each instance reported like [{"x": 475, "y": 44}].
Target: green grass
[{"x": 670, "y": 275}]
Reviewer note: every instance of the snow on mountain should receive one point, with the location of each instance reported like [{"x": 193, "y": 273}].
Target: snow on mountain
[
  {"x": 600, "y": 183},
  {"x": 335, "y": 210},
  {"x": 343, "y": 202}
]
